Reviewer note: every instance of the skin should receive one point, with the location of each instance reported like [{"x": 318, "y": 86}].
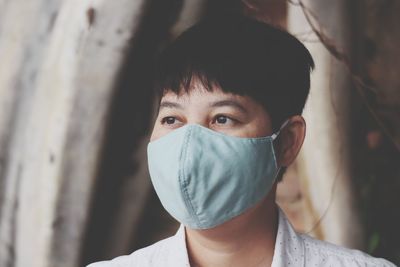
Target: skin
[{"x": 247, "y": 240}]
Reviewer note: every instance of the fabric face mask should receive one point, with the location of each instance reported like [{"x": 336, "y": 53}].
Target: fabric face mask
[{"x": 205, "y": 178}]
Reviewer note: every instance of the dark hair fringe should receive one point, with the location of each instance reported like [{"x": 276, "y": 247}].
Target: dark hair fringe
[{"x": 242, "y": 56}]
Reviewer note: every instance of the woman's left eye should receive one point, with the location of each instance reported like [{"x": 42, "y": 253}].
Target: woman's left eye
[{"x": 221, "y": 119}]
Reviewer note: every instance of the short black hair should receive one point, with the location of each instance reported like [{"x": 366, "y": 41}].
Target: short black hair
[{"x": 243, "y": 56}]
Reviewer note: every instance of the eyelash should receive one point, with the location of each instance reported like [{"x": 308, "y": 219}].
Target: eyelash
[
  {"x": 214, "y": 120},
  {"x": 165, "y": 119},
  {"x": 225, "y": 116}
]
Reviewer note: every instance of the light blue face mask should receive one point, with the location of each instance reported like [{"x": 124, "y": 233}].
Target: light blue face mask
[{"x": 205, "y": 178}]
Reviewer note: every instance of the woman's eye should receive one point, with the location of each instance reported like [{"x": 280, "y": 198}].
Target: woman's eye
[
  {"x": 221, "y": 119},
  {"x": 168, "y": 120}
]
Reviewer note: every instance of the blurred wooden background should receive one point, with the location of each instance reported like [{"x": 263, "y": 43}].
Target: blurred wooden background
[{"x": 76, "y": 111}]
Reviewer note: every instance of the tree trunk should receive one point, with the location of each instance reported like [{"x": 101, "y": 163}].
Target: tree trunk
[
  {"x": 60, "y": 61},
  {"x": 324, "y": 163}
]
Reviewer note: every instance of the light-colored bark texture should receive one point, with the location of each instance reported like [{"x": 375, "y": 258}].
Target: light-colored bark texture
[
  {"x": 62, "y": 63},
  {"x": 324, "y": 162},
  {"x": 59, "y": 64}
]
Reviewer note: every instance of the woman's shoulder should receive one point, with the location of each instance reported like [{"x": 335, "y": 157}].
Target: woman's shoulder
[
  {"x": 154, "y": 255},
  {"x": 320, "y": 253}
]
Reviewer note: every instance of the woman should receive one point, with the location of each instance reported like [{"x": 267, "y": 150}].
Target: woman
[{"x": 232, "y": 91}]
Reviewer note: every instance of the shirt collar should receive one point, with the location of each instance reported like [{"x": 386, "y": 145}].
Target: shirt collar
[
  {"x": 181, "y": 249},
  {"x": 289, "y": 247}
]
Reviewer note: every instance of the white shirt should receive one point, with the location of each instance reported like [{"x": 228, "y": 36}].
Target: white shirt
[{"x": 291, "y": 249}]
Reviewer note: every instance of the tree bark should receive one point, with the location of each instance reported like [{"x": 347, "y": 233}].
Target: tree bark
[
  {"x": 60, "y": 61},
  {"x": 324, "y": 163}
]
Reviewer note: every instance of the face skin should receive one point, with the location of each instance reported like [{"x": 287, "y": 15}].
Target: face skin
[
  {"x": 239, "y": 116},
  {"x": 229, "y": 114},
  {"x": 226, "y": 113}
]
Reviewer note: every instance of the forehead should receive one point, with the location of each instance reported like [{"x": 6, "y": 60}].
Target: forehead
[{"x": 198, "y": 94}]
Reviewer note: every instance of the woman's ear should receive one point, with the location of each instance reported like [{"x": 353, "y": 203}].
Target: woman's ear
[{"x": 290, "y": 140}]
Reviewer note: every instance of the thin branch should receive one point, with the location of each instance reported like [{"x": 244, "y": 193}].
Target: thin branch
[{"x": 329, "y": 44}]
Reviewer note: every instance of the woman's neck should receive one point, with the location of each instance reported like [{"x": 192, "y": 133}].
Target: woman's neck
[{"x": 245, "y": 241}]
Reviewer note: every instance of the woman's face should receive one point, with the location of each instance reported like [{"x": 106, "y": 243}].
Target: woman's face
[
  {"x": 219, "y": 111},
  {"x": 229, "y": 114}
]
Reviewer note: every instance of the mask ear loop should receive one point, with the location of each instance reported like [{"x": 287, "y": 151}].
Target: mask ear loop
[{"x": 275, "y": 135}]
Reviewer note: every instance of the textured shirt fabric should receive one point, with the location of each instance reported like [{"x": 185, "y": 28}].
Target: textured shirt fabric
[{"x": 291, "y": 249}]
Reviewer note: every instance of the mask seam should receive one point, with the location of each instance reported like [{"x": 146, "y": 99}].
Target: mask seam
[{"x": 183, "y": 181}]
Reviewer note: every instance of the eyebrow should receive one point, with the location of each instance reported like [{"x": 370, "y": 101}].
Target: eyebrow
[
  {"x": 169, "y": 104},
  {"x": 229, "y": 102},
  {"x": 220, "y": 103}
]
